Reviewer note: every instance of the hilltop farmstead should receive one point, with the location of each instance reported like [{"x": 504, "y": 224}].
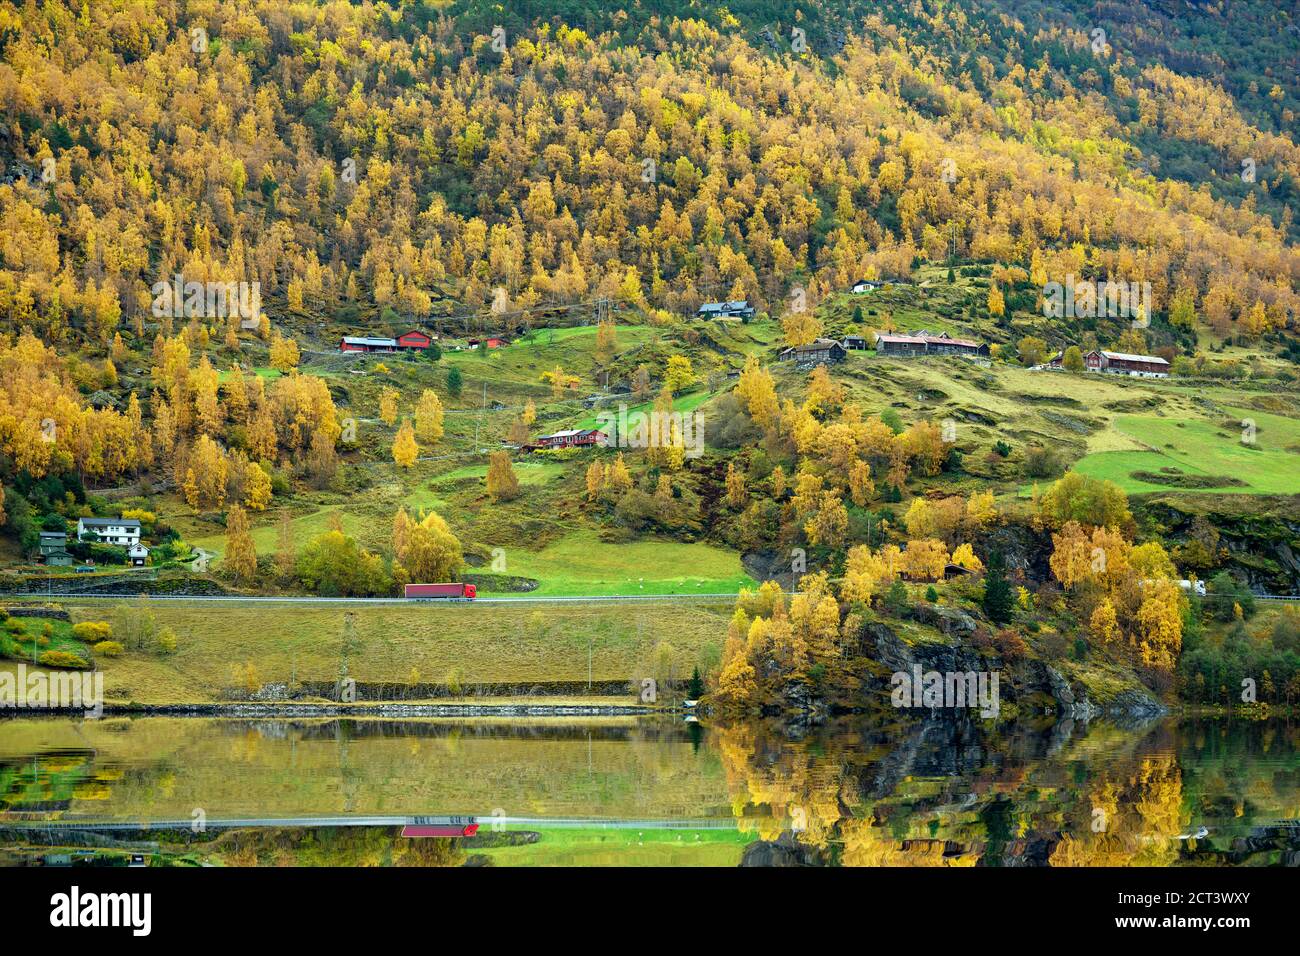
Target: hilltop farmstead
[
  {"x": 413, "y": 340},
  {"x": 1119, "y": 363}
]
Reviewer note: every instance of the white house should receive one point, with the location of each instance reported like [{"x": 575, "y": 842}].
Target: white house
[
  {"x": 121, "y": 531},
  {"x": 138, "y": 555}
]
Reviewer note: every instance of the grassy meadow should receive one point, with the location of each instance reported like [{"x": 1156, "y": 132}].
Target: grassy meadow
[{"x": 395, "y": 643}]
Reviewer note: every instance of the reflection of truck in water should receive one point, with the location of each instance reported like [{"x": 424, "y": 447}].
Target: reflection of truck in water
[
  {"x": 441, "y": 592},
  {"x": 440, "y": 827}
]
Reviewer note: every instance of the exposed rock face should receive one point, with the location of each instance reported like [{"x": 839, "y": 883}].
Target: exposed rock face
[
  {"x": 950, "y": 621},
  {"x": 1258, "y": 539},
  {"x": 1025, "y": 550},
  {"x": 1023, "y": 682},
  {"x": 1072, "y": 707}
]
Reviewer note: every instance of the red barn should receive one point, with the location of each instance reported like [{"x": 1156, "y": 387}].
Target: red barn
[
  {"x": 414, "y": 339},
  {"x": 492, "y": 343}
]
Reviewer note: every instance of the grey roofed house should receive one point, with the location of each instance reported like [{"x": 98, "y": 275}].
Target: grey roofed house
[
  {"x": 125, "y": 531},
  {"x": 369, "y": 343},
  {"x": 53, "y": 548},
  {"x": 736, "y": 307},
  {"x": 818, "y": 352}
]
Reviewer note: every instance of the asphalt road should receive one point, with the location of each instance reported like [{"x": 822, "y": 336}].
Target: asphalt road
[
  {"x": 246, "y": 599},
  {"x": 486, "y": 822}
]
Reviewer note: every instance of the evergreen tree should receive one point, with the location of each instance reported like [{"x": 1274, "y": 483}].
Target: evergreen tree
[
  {"x": 997, "y": 590},
  {"x": 454, "y": 382}
]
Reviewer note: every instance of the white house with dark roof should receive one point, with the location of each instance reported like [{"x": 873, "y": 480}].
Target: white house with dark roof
[{"x": 120, "y": 531}]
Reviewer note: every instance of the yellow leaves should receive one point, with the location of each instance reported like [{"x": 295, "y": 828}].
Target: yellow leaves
[
  {"x": 1150, "y": 561},
  {"x": 981, "y": 511},
  {"x": 205, "y": 478},
  {"x": 735, "y": 483},
  {"x": 617, "y": 477},
  {"x": 923, "y": 443},
  {"x": 241, "y": 558},
  {"x": 284, "y": 353},
  {"x": 919, "y": 520},
  {"x": 965, "y": 557},
  {"x": 1104, "y": 624},
  {"x": 502, "y": 484},
  {"x": 388, "y": 405},
  {"x": 679, "y": 374},
  {"x": 757, "y": 390},
  {"x": 431, "y": 552},
  {"x": 830, "y": 523},
  {"x": 824, "y": 393},
  {"x": 996, "y": 304},
  {"x": 861, "y": 487},
  {"x": 1160, "y": 623},
  {"x": 257, "y": 488},
  {"x": 405, "y": 449},
  {"x": 429, "y": 417},
  {"x": 800, "y": 328},
  {"x": 1088, "y": 501},
  {"x": 1080, "y": 557},
  {"x": 560, "y": 381},
  {"x": 595, "y": 480},
  {"x": 925, "y": 560},
  {"x": 865, "y": 575}
]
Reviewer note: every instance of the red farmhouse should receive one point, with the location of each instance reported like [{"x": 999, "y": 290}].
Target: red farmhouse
[
  {"x": 414, "y": 339},
  {"x": 576, "y": 438}
]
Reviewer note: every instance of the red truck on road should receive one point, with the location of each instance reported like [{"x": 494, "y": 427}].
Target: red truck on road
[{"x": 441, "y": 592}]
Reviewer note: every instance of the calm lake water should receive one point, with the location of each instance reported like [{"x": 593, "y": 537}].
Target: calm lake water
[{"x": 1168, "y": 793}]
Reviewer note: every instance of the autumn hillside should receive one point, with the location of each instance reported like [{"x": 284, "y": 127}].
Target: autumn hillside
[{"x": 553, "y": 195}]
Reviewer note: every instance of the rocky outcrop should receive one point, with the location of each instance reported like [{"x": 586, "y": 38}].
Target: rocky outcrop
[
  {"x": 1072, "y": 706},
  {"x": 1032, "y": 685}
]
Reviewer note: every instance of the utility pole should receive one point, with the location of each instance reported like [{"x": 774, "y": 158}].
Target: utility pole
[{"x": 482, "y": 407}]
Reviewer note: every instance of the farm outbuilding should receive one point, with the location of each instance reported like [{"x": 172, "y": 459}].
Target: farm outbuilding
[
  {"x": 818, "y": 352},
  {"x": 414, "y": 339},
  {"x": 363, "y": 343},
  {"x": 1118, "y": 363},
  {"x": 926, "y": 343}
]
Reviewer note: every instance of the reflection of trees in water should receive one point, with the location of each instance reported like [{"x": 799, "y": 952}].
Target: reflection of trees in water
[
  {"x": 947, "y": 793},
  {"x": 1133, "y": 816}
]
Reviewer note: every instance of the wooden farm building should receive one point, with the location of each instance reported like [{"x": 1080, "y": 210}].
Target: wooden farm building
[
  {"x": 1119, "y": 363},
  {"x": 407, "y": 341},
  {"x": 818, "y": 352},
  {"x": 925, "y": 343},
  {"x": 573, "y": 438}
]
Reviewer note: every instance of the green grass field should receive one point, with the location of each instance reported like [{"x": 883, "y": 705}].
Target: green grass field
[
  {"x": 581, "y": 564},
  {"x": 490, "y": 643},
  {"x": 602, "y": 847},
  {"x": 682, "y": 403},
  {"x": 1204, "y": 450}
]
